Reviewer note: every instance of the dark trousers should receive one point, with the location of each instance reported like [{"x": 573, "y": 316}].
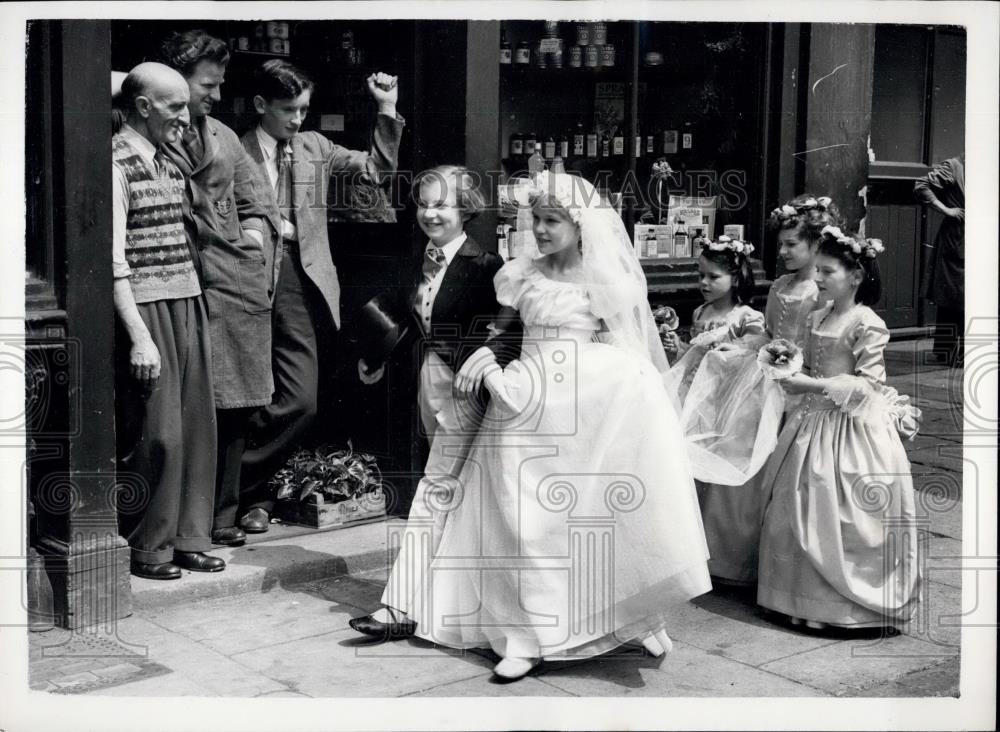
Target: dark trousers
[
  {"x": 277, "y": 430},
  {"x": 168, "y": 438},
  {"x": 948, "y": 332},
  {"x": 232, "y": 436}
]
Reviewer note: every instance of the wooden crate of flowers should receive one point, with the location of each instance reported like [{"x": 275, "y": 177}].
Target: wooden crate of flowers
[{"x": 329, "y": 487}]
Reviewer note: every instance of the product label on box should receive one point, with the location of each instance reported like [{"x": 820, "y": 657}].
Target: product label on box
[
  {"x": 733, "y": 231},
  {"x": 688, "y": 216}
]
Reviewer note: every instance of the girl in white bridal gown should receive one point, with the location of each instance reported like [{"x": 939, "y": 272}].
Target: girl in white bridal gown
[{"x": 574, "y": 526}]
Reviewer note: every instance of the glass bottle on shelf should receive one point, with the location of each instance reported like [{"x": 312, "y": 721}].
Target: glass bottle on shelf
[
  {"x": 530, "y": 141},
  {"x": 502, "y": 249},
  {"x": 639, "y": 141},
  {"x": 522, "y": 55},
  {"x": 605, "y": 146},
  {"x": 575, "y": 57},
  {"x": 549, "y": 147},
  {"x": 579, "y": 140},
  {"x": 592, "y": 144},
  {"x": 506, "y": 51},
  {"x": 562, "y": 146},
  {"x": 536, "y": 163},
  {"x": 516, "y": 145},
  {"x": 617, "y": 143}
]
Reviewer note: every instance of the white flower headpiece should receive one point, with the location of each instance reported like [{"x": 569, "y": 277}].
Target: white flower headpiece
[
  {"x": 867, "y": 247},
  {"x": 787, "y": 211},
  {"x": 726, "y": 243}
]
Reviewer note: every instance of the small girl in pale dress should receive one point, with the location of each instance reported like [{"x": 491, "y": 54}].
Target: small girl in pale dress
[
  {"x": 839, "y": 541},
  {"x": 730, "y": 412},
  {"x": 793, "y": 296}
]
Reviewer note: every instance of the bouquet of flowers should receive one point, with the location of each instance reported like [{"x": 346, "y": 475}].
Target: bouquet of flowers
[
  {"x": 713, "y": 335},
  {"x": 780, "y": 359},
  {"x": 666, "y": 319},
  {"x": 338, "y": 475}
]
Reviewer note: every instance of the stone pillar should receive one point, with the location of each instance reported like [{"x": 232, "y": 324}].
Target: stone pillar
[{"x": 73, "y": 465}]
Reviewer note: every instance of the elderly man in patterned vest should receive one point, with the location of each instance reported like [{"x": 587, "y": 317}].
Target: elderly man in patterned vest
[{"x": 164, "y": 391}]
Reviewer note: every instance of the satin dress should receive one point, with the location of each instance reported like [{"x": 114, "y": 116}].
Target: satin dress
[
  {"x": 839, "y": 540},
  {"x": 575, "y": 526}
]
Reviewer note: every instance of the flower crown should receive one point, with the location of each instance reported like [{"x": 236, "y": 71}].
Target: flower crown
[
  {"x": 868, "y": 247},
  {"x": 725, "y": 243},
  {"x": 787, "y": 212}
]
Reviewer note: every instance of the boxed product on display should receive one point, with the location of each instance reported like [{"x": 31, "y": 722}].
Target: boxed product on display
[
  {"x": 693, "y": 210},
  {"x": 644, "y": 234},
  {"x": 664, "y": 240},
  {"x": 734, "y": 231}
]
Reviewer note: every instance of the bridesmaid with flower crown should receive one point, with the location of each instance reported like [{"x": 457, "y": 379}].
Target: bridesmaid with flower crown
[
  {"x": 839, "y": 540},
  {"x": 793, "y": 296},
  {"x": 730, "y": 412}
]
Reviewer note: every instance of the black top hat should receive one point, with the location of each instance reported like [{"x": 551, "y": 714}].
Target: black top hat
[{"x": 379, "y": 326}]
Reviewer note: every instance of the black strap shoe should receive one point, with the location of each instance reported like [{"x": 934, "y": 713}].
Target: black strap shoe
[
  {"x": 230, "y": 536},
  {"x": 255, "y": 521},
  {"x": 395, "y": 630},
  {"x": 164, "y": 571},
  {"x": 198, "y": 562}
]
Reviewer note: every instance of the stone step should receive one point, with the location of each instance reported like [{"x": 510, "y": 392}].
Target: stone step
[{"x": 284, "y": 555}]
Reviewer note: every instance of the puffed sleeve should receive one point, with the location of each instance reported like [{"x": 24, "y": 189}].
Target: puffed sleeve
[
  {"x": 858, "y": 394},
  {"x": 751, "y": 323},
  {"x": 750, "y": 330},
  {"x": 509, "y": 282},
  {"x": 870, "y": 339}
]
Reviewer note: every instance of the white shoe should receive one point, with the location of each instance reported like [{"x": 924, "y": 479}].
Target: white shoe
[
  {"x": 514, "y": 668},
  {"x": 658, "y": 644}
]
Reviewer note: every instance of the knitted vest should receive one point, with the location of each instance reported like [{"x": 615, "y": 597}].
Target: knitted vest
[{"x": 155, "y": 243}]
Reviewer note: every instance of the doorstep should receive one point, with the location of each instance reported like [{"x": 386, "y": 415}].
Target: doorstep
[{"x": 285, "y": 555}]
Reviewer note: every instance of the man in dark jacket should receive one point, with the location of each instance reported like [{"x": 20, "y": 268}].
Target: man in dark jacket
[{"x": 227, "y": 224}]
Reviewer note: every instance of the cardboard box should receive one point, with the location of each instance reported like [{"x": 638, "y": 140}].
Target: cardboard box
[
  {"x": 665, "y": 240},
  {"x": 642, "y": 235},
  {"x": 733, "y": 231}
]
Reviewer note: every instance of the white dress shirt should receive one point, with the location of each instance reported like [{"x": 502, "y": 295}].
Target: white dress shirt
[
  {"x": 269, "y": 147},
  {"x": 427, "y": 291}
]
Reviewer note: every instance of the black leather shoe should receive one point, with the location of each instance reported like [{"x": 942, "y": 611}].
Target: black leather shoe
[
  {"x": 256, "y": 521},
  {"x": 386, "y": 631},
  {"x": 198, "y": 562},
  {"x": 230, "y": 536},
  {"x": 164, "y": 571}
]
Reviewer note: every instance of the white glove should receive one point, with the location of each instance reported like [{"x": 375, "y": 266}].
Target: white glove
[
  {"x": 475, "y": 368},
  {"x": 499, "y": 389}
]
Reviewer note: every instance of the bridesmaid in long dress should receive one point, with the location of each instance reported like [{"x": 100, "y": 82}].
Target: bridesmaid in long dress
[
  {"x": 839, "y": 541},
  {"x": 576, "y": 526},
  {"x": 730, "y": 411},
  {"x": 793, "y": 296}
]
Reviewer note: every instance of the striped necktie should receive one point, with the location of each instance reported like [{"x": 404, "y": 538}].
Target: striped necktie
[{"x": 284, "y": 188}]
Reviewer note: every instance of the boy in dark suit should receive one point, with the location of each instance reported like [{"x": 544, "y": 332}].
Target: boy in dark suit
[
  {"x": 298, "y": 166},
  {"x": 451, "y": 302}
]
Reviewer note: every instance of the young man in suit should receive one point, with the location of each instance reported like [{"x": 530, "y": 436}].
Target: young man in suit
[
  {"x": 226, "y": 221},
  {"x": 298, "y": 166},
  {"x": 452, "y": 301},
  {"x": 164, "y": 399}
]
